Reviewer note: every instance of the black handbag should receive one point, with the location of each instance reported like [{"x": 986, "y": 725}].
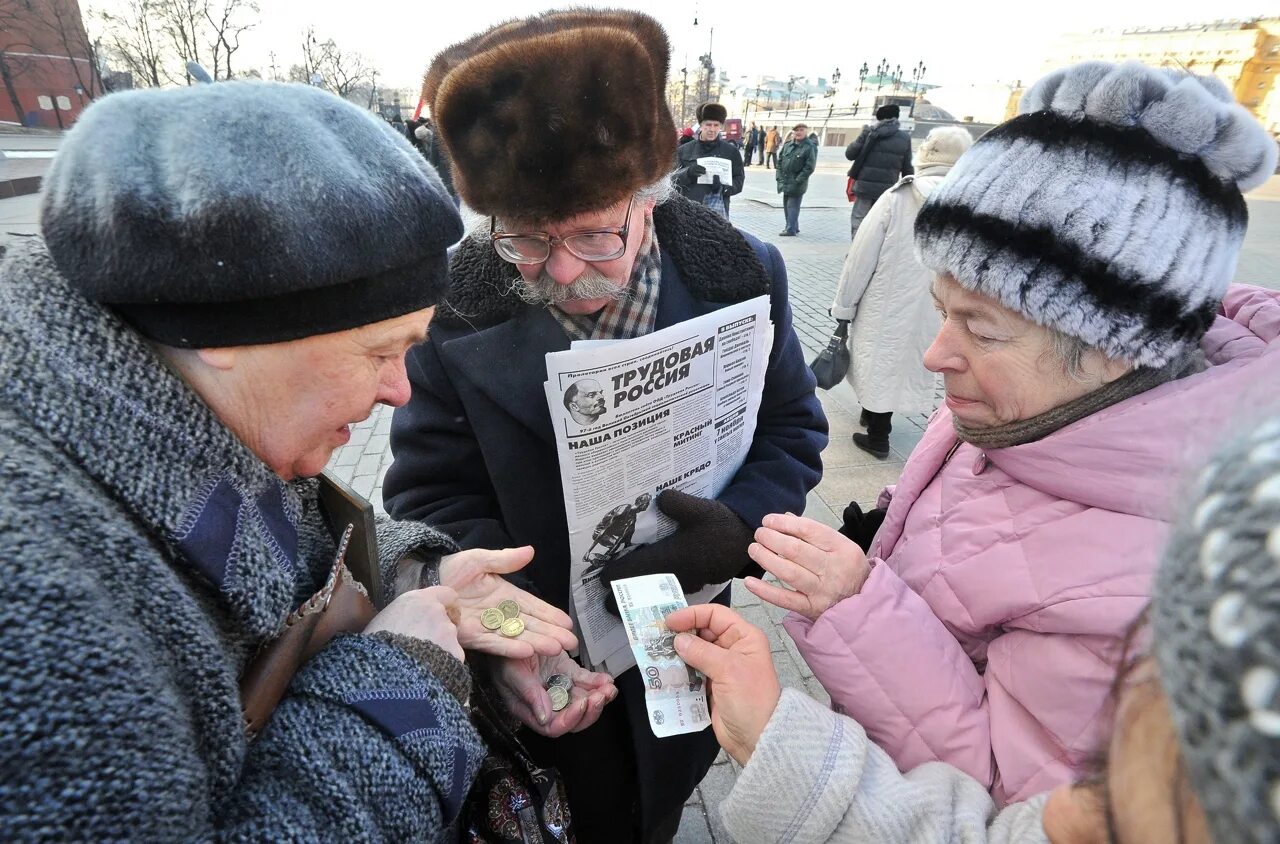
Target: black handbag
[{"x": 831, "y": 365}]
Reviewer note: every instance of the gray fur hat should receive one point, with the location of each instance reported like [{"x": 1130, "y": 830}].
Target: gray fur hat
[
  {"x": 1109, "y": 209},
  {"x": 245, "y": 212},
  {"x": 1216, "y": 627}
]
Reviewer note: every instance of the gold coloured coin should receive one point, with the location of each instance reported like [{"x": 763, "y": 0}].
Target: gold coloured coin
[
  {"x": 492, "y": 618},
  {"x": 512, "y": 628},
  {"x": 559, "y": 698},
  {"x": 510, "y": 609}
]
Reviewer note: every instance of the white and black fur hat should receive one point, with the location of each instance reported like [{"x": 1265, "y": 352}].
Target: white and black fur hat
[{"x": 1109, "y": 209}]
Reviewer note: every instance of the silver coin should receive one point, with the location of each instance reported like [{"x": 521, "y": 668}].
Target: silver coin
[
  {"x": 561, "y": 680},
  {"x": 559, "y": 698}
]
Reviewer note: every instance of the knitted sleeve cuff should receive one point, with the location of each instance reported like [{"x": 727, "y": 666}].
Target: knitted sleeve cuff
[{"x": 444, "y": 666}]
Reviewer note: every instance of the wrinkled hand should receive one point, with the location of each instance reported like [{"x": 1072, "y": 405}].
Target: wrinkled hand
[
  {"x": 821, "y": 565},
  {"x": 710, "y": 546},
  {"x": 476, "y": 576},
  {"x": 429, "y": 614},
  {"x": 743, "y": 684},
  {"x": 519, "y": 684}
]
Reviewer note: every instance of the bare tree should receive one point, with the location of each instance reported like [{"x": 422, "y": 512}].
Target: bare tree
[
  {"x": 183, "y": 21},
  {"x": 225, "y": 24},
  {"x": 132, "y": 37},
  {"x": 346, "y": 73}
]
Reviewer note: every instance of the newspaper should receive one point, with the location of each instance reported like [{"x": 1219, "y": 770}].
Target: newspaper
[
  {"x": 716, "y": 166},
  {"x": 675, "y": 409},
  {"x": 674, "y": 693}
]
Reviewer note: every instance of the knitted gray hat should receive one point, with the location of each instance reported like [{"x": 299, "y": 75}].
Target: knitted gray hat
[
  {"x": 1110, "y": 209},
  {"x": 1216, "y": 627},
  {"x": 245, "y": 212}
]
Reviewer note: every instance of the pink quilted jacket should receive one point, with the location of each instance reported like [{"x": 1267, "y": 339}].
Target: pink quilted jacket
[{"x": 988, "y": 632}]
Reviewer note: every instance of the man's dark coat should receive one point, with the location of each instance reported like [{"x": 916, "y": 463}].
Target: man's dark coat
[{"x": 475, "y": 455}]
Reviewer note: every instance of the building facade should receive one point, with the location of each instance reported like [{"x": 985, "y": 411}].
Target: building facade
[
  {"x": 45, "y": 63},
  {"x": 1243, "y": 54}
]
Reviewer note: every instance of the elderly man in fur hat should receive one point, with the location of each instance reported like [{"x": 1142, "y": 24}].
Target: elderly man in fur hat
[
  {"x": 582, "y": 239},
  {"x": 708, "y": 144}
]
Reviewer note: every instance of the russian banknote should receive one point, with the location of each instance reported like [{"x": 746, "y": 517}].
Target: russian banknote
[{"x": 676, "y": 694}]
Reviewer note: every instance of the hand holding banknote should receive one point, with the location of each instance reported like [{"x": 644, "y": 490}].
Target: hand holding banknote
[
  {"x": 522, "y": 685},
  {"x": 734, "y": 655},
  {"x": 675, "y": 695}
]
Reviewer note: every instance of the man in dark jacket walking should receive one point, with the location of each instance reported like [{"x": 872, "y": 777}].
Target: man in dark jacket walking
[
  {"x": 796, "y": 163},
  {"x": 753, "y": 141},
  {"x": 881, "y": 155},
  {"x": 582, "y": 240},
  {"x": 708, "y": 144}
]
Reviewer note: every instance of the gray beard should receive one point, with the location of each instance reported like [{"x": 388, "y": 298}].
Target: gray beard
[{"x": 544, "y": 290}]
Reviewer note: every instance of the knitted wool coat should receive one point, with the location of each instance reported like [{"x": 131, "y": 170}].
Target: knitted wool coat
[{"x": 146, "y": 554}]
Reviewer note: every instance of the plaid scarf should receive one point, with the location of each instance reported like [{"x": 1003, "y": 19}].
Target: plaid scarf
[{"x": 635, "y": 313}]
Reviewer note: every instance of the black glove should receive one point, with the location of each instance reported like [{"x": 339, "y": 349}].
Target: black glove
[
  {"x": 693, "y": 171},
  {"x": 715, "y": 183},
  {"x": 710, "y": 545},
  {"x": 861, "y": 527}
]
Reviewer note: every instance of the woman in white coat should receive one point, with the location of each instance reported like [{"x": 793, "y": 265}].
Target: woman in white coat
[{"x": 884, "y": 292}]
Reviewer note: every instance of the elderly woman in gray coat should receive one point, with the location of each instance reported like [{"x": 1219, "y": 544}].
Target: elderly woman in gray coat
[{"x": 211, "y": 305}]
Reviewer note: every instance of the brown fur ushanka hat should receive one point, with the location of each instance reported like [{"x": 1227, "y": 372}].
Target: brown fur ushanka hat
[{"x": 554, "y": 116}]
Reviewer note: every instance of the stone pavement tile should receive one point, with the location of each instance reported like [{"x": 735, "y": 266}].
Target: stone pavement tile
[
  {"x": 346, "y": 457},
  {"x": 862, "y": 484},
  {"x": 363, "y": 484},
  {"x": 693, "y": 827},
  {"x": 789, "y": 645},
  {"x": 757, "y": 616},
  {"x": 360, "y": 434},
  {"x": 369, "y": 464},
  {"x": 904, "y": 438},
  {"x": 841, "y": 453},
  {"x": 815, "y": 508},
  {"x": 380, "y": 444},
  {"x": 741, "y": 597},
  {"x": 815, "y": 690},
  {"x": 715, "y": 789}
]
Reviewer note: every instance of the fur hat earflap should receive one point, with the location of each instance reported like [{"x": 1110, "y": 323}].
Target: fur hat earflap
[
  {"x": 712, "y": 111},
  {"x": 556, "y": 115}
]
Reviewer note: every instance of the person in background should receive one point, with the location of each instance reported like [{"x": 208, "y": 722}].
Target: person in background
[
  {"x": 185, "y": 346},
  {"x": 1091, "y": 345},
  {"x": 1190, "y": 751},
  {"x": 796, "y": 163},
  {"x": 885, "y": 292},
  {"x": 753, "y": 140},
  {"x": 771, "y": 144},
  {"x": 709, "y": 144},
  {"x": 881, "y": 154}
]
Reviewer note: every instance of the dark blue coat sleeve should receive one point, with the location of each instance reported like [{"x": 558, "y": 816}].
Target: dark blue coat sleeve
[
  {"x": 438, "y": 474},
  {"x": 785, "y": 460}
]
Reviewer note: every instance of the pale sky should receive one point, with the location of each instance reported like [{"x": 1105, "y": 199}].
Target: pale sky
[{"x": 958, "y": 42}]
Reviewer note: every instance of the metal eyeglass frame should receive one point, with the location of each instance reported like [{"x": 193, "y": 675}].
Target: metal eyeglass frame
[{"x": 623, "y": 232}]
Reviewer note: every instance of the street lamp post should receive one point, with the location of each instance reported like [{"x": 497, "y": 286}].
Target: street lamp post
[
  {"x": 917, "y": 76},
  {"x": 862, "y": 78}
]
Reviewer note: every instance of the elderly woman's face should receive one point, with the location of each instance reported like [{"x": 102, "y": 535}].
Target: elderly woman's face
[
  {"x": 294, "y": 403},
  {"x": 998, "y": 366}
]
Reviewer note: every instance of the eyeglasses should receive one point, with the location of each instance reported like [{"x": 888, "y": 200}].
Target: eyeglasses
[{"x": 603, "y": 244}]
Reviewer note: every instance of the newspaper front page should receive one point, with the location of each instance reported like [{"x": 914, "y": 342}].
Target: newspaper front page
[{"x": 675, "y": 409}]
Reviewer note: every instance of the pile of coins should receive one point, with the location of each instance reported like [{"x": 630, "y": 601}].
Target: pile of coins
[
  {"x": 558, "y": 687},
  {"x": 505, "y": 618}
]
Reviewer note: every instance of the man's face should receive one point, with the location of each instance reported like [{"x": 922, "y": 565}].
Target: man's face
[
  {"x": 801, "y": 133},
  {"x": 710, "y": 130},
  {"x": 294, "y": 402},
  {"x": 564, "y": 268},
  {"x": 590, "y": 398}
]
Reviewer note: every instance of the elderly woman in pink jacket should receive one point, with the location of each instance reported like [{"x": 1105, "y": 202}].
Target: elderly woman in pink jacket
[{"x": 1091, "y": 350}]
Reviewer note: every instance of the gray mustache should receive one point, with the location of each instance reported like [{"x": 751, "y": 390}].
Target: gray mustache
[{"x": 544, "y": 290}]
